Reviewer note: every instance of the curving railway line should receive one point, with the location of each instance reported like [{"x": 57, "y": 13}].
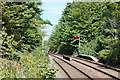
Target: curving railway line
[
  {"x": 86, "y": 69},
  {"x": 67, "y": 68}
]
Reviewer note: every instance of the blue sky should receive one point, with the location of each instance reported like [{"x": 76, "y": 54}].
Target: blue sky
[{"x": 52, "y": 12}]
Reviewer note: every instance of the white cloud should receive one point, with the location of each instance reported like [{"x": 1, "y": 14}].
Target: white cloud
[{"x": 57, "y": 0}]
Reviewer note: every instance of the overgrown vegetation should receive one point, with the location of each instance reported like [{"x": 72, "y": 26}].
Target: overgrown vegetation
[
  {"x": 31, "y": 65},
  {"x": 21, "y": 22},
  {"x": 97, "y": 23}
]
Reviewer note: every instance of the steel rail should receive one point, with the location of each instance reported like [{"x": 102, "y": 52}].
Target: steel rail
[
  {"x": 98, "y": 64},
  {"x": 94, "y": 67},
  {"x": 63, "y": 69},
  {"x": 97, "y": 69},
  {"x": 74, "y": 67}
]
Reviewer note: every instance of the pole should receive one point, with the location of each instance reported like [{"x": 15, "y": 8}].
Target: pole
[
  {"x": 42, "y": 45},
  {"x": 79, "y": 43}
]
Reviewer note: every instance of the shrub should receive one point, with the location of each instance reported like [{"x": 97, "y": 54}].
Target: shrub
[{"x": 102, "y": 55}]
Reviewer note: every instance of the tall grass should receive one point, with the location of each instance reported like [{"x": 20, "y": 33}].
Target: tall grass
[{"x": 31, "y": 65}]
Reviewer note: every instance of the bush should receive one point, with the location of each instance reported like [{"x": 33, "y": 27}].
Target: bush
[
  {"x": 88, "y": 48},
  {"x": 102, "y": 55},
  {"x": 114, "y": 57}
]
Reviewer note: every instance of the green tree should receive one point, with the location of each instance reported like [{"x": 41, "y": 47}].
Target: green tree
[
  {"x": 85, "y": 19},
  {"x": 97, "y": 24},
  {"x": 21, "y": 23}
]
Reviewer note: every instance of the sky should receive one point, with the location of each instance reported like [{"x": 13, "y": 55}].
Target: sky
[{"x": 52, "y": 12}]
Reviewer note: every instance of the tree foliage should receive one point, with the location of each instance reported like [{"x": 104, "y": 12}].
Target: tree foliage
[
  {"x": 85, "y": 19},
  {"x": 21, "y": 22},
  {"x": 97, "y": 23}
]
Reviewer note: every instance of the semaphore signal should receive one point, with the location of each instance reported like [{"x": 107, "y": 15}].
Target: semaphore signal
[
  {"x": 39, "y": 37},
  {"x": 79, "y": 41},
  {"x": 76, "y": 36}
]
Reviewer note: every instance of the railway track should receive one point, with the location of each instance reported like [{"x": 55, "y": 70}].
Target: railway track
[
  {"x": 112, "y": 72},
  {"x": 106, "y": 71},
  {"x": 100, "y": 68},
  {"x": 63, "y": 69},
  {"x": 100, "y": 64},
  {"x": 67, "y": 67}
]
